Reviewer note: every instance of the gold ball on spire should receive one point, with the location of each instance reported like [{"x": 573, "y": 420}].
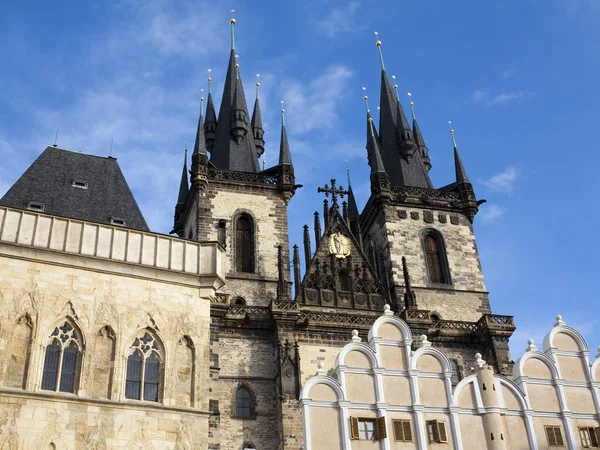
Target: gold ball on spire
[
  {"x": 232, "y": 20},
  {"x": 377, "y": 42},
  {"x": 395, "y": 86}
]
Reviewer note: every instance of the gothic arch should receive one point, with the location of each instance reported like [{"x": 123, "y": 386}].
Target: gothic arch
[
  {"x": 145, "y": 358},
  {"x": 361, "y": 348},
  {"x": 436, "y": 353},
  {"x": 19, "y": 355},
  {"x": 518, "y": 367},
  {"x": 395, "y": 320},
  {"x": 64, "y": 349},
  {"x": 244, "y": 242},
  {"x": 331, "y": 382},
  {"x": 239, "y": 408},
  {"x": 434, "y": 253},
  {"x": 185, "y": 372}
]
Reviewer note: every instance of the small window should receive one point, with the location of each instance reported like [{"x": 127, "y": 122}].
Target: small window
[
  {"x": 455, "y": 372},
  {"x": 344, "y": 279},
  {"x": 435, "y": 258},
  {"x": 242, "y": 403},
  {"x": 36, "y": 206},
  {"x": 244, "y": 244},
  {"x": 239, "y": 301},
  {"x": 589, "y": 436},
  {"x": 554, "y": 436},
  {"x": 367, "y": 429},
  {"x": 118, "y": 221},
  {"x": 79, "y": 184},
  {"x": 436, "y": 431},
  {"x": 402, "y": 430}
]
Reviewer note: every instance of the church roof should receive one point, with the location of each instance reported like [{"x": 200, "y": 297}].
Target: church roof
[{"x": 77, "y": 185}]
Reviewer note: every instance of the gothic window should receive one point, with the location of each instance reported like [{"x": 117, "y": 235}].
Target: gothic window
[
  {"x": 455, "y": 372},
  {"x": 63, "y": 359},
  {"x": 435, "y": 258},
  {"x": 244, "y": 244},
  {"x": 243, "y": 403},
  {"x": 344, "y": 279},
  {"x": 144, "y": 369}
]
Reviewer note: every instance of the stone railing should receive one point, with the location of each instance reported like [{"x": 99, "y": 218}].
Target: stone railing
[
  {"x": 415, "y": 314},
  {"x": 494, "y": 320},
  {"x": 114, "y": 243},
  {"x": 246, "y": 177},
  {"x": 424, "y": 193},
  {"x": 457, "y": 325}
]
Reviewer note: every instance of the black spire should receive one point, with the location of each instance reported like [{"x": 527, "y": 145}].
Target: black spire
[
  {"x": 210, "y": 126},
  {"x": 200, "y": 144},
  {"x": 257, "y": 127},
  {"x": 234, "y": 147},
  {"x": 352, "y": 208},
  {"x": 285, "y": 156},
  {"x": 397, "y": 143},
  {"x": 423, "y": 150},
  {"x": 183, "y": 186},
  {"x": 376, "y": 160},
  {"x": 461, "y": 173}
]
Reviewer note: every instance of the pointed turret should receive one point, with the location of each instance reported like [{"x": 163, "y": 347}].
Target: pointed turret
[
  {"x": 285, "y": 169},
  {"x": 210, "y": 126},
  {"x": 423, "y": 150},
  {"x": 181, "y": 198},
  {"x": 352, "y": 208},
  {"x": 468, "y": 201},
  {"x": 396, "y": 138},
  {"x": 234, "y": 147},
  {"x": 257, "y": 127},
  {"x": 199, "y": 157},
  {"x": 285, "y": 156}
]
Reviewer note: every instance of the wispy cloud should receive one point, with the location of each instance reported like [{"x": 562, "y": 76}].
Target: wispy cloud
[
  {"x": 340, "y": 20},
  {"x": 502, "y": 181},
  {"x": 491, "y": 213},
  {"x": 507, "y": 73},
  {"x": 485, "y": 97}
]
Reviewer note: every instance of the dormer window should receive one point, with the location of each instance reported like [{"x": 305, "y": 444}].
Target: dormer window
[
  {"x": 118, "y": 221},
  {"x": 36, "y": 206},
  {"x": 79, "y": 184}
]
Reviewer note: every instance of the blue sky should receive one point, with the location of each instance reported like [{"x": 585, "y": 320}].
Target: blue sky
[{"x": 517, "y": 78}]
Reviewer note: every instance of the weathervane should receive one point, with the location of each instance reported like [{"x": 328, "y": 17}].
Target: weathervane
[{"x": 333, "y": 191}]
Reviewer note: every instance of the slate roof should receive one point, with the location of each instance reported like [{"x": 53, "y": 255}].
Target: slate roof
[{"x": 48, "y": 181}]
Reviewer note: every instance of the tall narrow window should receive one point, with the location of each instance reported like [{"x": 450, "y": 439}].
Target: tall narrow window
[
  {"x": 344, "y": 280},
  {"x": 242, "y": 403},
  {"x": 144, "y": 374},
  {"x": 435, "y": 258},
  {"x": 244, "y": 244},
  {"x": 62, "y": 360}
]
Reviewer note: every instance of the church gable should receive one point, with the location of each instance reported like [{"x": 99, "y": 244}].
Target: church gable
[{"x": 339, "y": 274}]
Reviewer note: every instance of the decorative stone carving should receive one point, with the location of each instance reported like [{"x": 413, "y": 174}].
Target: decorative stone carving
[
  {"x": 183, "y": 441},
  {"x": 442, "y": 218},
  {"x": 141, "y": 438},
  {"x": 402, "y": 214},
  {"x": 428, "y": 216},
  {"x": 454, "y": 220},
  {"x": 8, "y": 431},
  {"x": 414, "y": 215},
  {"x": 96, "y": 439},
  {"x": 51, "y": 434}
]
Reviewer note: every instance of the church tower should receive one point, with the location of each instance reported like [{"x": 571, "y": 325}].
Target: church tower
[
  {"x": 231, "y": 200},
  {"x": 409, "y": 226}
]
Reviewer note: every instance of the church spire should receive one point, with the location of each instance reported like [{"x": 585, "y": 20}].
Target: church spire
[
  {"x": 352, "y": 208},
  {"x": 285, "y": 156},
  {"x": 257, "y": 127},
  {"x": 234, "y": 147},
  {"x": 200, "y": 144},
  {"x": 210, "y": 126},
  {"x": 423, "y": 150},
  {"x": 461, "y": 173},
  {"x": 377, "y": 166},
  {"x": 183, "y": 185},
  {"x": 285, "y": 169}
]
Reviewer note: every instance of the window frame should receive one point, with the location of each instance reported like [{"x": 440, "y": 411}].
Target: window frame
[
  {"x": 146, "y": 351},
  {"x": 238, "y": 254},
  {"x": 442, "y": 257},
  {"x": 379, "y": 428},
  {"x": 434, "y": 431},
  {"x": 64, "y": 340},
  {"x": 553, "y": 429},
  {"x": 592, "y": 436},
  {"x": 402, "y": 422},
  {"x": 251, "y": 403}
]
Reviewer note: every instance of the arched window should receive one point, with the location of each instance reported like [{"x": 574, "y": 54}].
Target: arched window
[
  {"x": 239, "y": 301},
  {"x": 344, "y": 280},
  {"x": 242, "y": 403},
  {"x": 244, "y": 244},
  {"x": 144, "y": 369},
  {"x": 63, "y": 359},
  {"x": 455, "y": 372},
  {"x": 435, "y": 258}
]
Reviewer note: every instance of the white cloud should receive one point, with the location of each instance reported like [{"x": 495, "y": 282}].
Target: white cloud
[
  {"x": 491, "y": 212},
  {"x": 340, "y": 20},
  {"x": 507, "y": 73},
  {"x": 502, "y": 181},
  {"x": 484, "y": 96}
]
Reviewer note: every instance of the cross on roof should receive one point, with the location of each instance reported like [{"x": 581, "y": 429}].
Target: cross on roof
[{"x": 333, "y": 191}]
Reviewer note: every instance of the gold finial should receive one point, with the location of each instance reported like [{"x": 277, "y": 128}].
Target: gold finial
[
  {"x": 185, "y": 149},
  {"x": 232, "y": 22},
  {"x": 366, "y": 98},
  {"x": 412, "y": 105},
  {"x": 395, "y": 87},
  {"x": 257, "y": 83},
  {"x": 378, "y": 44},
  {"x": 209, "y": 79},
  {"x": 237, "y": 66},
  {"x": 348, "y": 174},
  {"x": 452, "y": 133},
  {"x": 264, "y": 162},
  {"x": 282, "y": 114},
  {"x": 201, "y": 101}
]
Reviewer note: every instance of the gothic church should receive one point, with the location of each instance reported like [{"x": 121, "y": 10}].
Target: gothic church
[{"x": 380, "y": 337}]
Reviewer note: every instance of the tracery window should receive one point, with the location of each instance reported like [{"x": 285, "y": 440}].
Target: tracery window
[
  {"x": 244, "y": 244},
  {"x": 242, "y": 403},
  {"x": 144, "y": 367},
  {"x": 435, "y": 258},
  {"x": 63, "y": 359}
]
